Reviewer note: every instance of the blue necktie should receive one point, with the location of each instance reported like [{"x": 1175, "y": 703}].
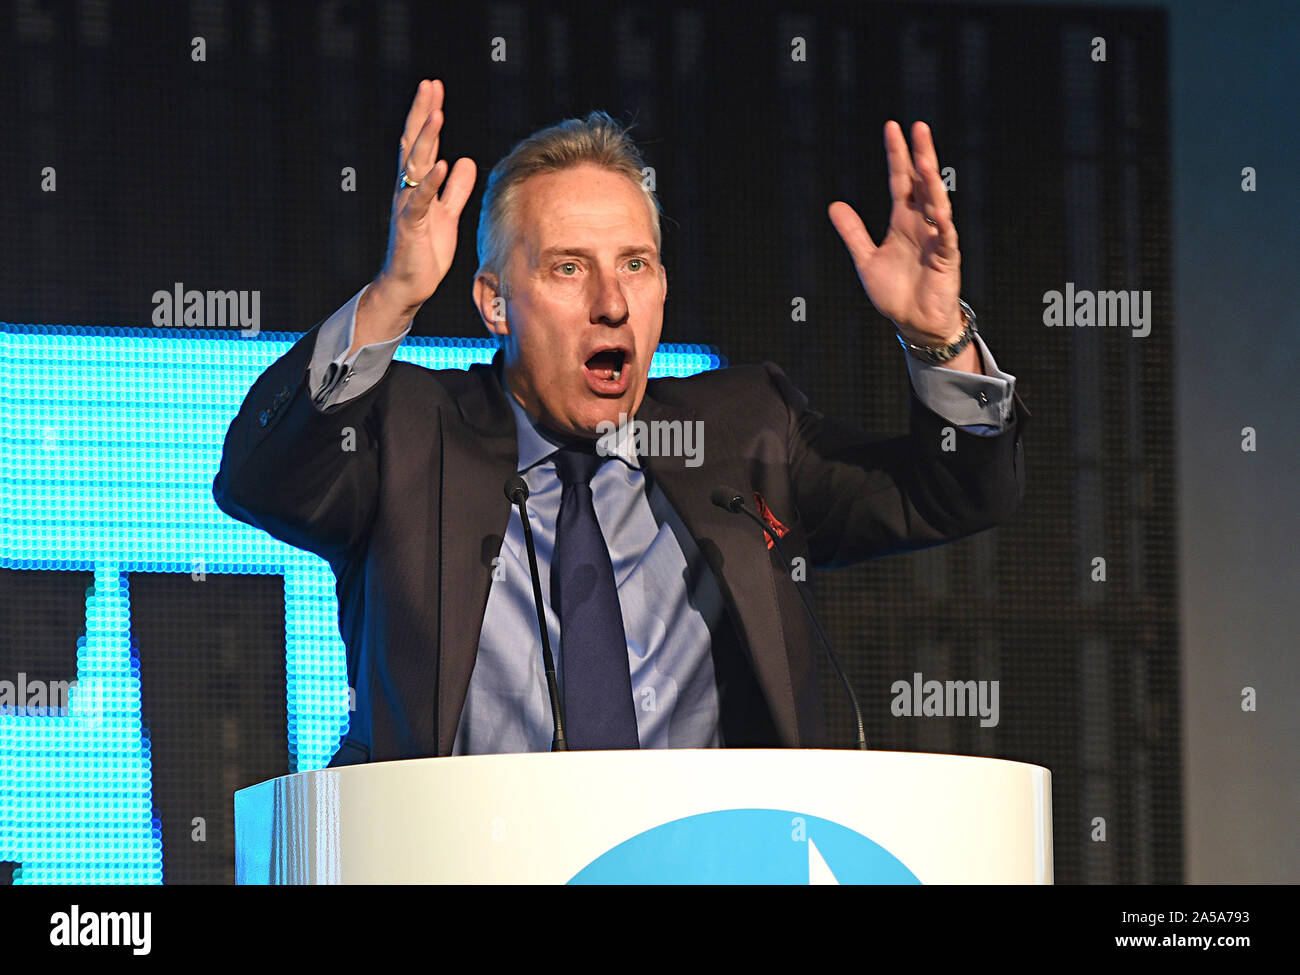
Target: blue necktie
[{"x": 598, "y": 707}]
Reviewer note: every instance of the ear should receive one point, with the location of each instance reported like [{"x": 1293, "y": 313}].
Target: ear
[
  {"x": 491, "y": 304},
  {"x": 663, "y": 276}
]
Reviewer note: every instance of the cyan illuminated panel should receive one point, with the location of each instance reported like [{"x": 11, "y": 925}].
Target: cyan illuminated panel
[{"x": 109, "y": 441}]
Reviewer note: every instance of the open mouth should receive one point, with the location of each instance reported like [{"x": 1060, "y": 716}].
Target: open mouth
[
  {"x": 607, "y": 364},
  {"x": 607, "y": 372}
]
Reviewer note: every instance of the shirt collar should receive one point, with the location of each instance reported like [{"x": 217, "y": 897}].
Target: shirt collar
[{"x": 536, "y": 443}]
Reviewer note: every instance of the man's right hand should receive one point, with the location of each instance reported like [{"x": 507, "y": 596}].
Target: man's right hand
[{"x": 423, "y": 227}]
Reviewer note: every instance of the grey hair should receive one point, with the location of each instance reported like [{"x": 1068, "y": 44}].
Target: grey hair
[{"x": 596, "y": 139}]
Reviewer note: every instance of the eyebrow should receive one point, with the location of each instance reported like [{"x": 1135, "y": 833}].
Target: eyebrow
[{"x": 553, "y": 252}]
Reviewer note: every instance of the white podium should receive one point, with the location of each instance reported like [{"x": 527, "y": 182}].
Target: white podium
[{"x": 654, "y": 816}]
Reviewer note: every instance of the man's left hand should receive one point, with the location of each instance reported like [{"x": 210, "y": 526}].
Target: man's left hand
[{"x": 914, "y": 276}]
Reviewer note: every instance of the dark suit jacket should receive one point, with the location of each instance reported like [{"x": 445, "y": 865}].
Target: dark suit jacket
[{"x": 412, "y": 518}]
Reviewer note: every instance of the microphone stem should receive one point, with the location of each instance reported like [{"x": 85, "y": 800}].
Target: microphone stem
[
  {"x": 558, "y": 742},
  {"x": 821, "y": 635}
]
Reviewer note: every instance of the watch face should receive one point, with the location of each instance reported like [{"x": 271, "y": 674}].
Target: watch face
[{"x": 944, "y": 353}]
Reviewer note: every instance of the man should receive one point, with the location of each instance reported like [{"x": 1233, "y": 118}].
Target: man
[{"x": 674, "y": 625}]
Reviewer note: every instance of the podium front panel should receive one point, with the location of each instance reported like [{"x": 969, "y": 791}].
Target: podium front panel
[{"x": 654, "y": 816}]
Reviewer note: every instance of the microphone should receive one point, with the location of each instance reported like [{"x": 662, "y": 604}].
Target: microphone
[
  {"x": 730, "y": 500},
  {"x": 516, "y": 489},
  {"x": 517, "y": 493}
]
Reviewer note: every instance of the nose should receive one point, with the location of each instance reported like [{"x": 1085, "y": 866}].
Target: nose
[{"x": 609, "y": 305}]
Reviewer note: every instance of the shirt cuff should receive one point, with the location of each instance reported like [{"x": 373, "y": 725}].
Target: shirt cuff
[
  {"x": 335, "y": 377},
  {"x": 981, "y": 405}
]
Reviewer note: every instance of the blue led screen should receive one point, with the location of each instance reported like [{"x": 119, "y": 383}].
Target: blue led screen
[{"x": 111, "y": 439}]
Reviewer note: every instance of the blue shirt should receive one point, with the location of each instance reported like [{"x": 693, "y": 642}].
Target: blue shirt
[
  {"x": 668, "y": 596},
  {"x": 667, "y": 622}
]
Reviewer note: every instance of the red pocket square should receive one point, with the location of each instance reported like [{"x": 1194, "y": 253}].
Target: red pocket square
[{"x": 770, "y": 520}]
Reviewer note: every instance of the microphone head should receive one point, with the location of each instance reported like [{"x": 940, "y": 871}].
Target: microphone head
[
  {"x": 516, "y": 489},
  {"x": 727, "y": 499}
]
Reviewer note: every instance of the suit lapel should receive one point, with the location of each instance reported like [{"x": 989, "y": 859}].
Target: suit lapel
[
  {"x": 734, "y": 549},
  {"x": 479, "y": 451}
]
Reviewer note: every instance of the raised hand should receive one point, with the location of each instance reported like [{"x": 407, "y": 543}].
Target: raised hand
[
  {"x": 423, "y": 227},
  {"x": 914, "y": 276}
]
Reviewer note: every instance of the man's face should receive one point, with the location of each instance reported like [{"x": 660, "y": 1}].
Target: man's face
[{"x": 587, "y": 293}]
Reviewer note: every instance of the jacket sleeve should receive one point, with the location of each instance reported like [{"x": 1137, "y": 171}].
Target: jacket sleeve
[
  {"x": 304, "y": 474},
  {"x": 860, "y": 496}
]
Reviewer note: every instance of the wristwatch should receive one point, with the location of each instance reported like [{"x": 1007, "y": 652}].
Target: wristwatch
[{"x": 943, "y": 353}]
